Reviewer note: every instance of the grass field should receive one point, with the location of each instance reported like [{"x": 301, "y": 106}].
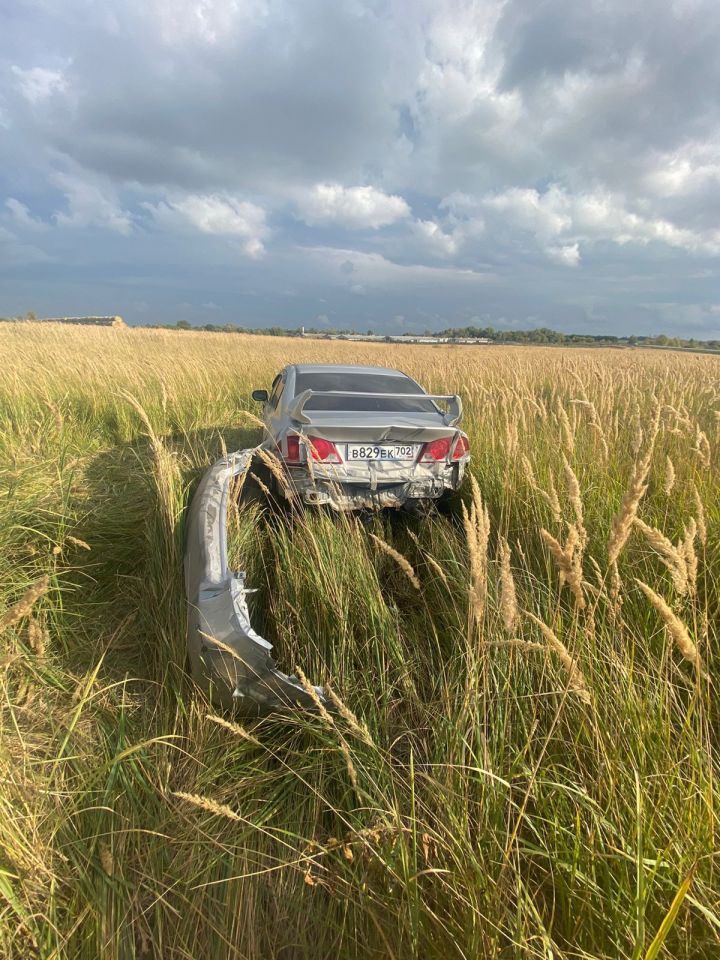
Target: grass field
[{"x": 524, "y": 761}]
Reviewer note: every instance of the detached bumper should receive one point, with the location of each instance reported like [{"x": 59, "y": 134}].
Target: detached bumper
[{"x": 228, "y": 659}]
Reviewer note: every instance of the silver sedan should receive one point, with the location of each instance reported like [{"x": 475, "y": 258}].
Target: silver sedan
[{"x": 356, "y": 437}]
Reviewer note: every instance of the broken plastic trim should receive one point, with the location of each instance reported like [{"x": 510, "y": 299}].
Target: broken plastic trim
[{"x": 229, "y": 660}]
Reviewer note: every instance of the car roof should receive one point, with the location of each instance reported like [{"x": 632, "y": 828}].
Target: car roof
[{"x": 345, "y": 368}]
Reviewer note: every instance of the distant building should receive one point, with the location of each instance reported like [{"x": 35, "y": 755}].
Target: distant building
[
  {"x": 402, "y": 338},
  {"x": 84, "y": 321}
]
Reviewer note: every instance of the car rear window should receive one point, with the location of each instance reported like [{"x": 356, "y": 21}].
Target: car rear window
[{"x": 351, "y": 383}]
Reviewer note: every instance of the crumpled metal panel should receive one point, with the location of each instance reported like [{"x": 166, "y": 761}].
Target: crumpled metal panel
[{"x": 229, "y": 660}]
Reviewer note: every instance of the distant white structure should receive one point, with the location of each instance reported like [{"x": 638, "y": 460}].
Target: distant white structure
[
  {"x": 83, "y": 321},
  {"x": 401, "y": 338}
]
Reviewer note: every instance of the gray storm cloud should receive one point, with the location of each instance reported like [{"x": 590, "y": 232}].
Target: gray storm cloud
[{"x": 555, "y": 162}]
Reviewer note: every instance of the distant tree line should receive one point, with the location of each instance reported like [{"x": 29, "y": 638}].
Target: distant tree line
[
  {"x": 263, "y": 331},
  {"x": 538, "y": 335},
  {"x": 546, "y": 335}
]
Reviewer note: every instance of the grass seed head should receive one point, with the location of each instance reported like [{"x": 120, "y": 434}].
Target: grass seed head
[
  {"x": 261, "y": 483},
  {"x": 25, "y": 605},
  {"x": 508, "y": 596},
  {"x": 669, "y": 481},
  {"x": 576, "y": 680},
  {"x": 675, "y": 627},
  {"x": 552, "y": 500},
  {"x": 438, "y": 569},
  {"x": 208, "y": 805},
  {"x": 346, "y": 713},
  {"x": 275, "y": 467},
  {"x": 106, "y": 859},
  {"x": 400, "y": 559},
  {"x": 673, "y": 557},
  {"x": 36, "y": 636},
  {"x": 623, "y": 520},
  {"x": 235, "y": 729},
  {"x": 78, "y": 543},
  {"x": 569, "y": 560},
  {"x": 476, "y": 522},
  {"x": 573, "y": 492},
  {"x": 314, "y": 696},
  {"x": 700, "y": 518}
]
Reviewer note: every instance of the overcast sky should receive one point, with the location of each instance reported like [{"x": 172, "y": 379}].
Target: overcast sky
[{"x": 386, "y": 164}]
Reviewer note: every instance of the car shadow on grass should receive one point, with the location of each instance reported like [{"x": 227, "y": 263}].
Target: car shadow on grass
[{"x": 123, "y": 600}]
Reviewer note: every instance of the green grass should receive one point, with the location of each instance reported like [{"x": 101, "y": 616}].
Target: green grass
[{"x": 476, "y": 806}]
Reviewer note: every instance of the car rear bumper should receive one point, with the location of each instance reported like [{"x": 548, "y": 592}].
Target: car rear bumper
[{"x": 345, "y": 495}]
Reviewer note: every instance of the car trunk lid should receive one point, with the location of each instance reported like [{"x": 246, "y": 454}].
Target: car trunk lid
[{"x": 379, "y": 428}]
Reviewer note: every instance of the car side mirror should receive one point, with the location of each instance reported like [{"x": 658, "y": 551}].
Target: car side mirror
[{"x": 260, "y": 396}]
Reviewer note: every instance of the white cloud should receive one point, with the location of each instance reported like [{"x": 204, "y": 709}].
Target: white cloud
[
  {"x": 38, "y": 83},
  {"x": 566, "y": 256},
  {"x": 558, "y": 219},
  {"x": 223, "y": 216},
  {"x": 355, "y": 268},
  {"x": 691, "y": 169},
  {"x": 352, "y": 207},
  {"x": 435, "y": 239},
  {"x": 544, "y": 215},
  {"x": 253, "y": 248},
  {"x": 577, "y": 144},
  {"x": 90, "y": 205},
  {"x": 208, "y": 21},
  {"x": 22, "y": 216}
]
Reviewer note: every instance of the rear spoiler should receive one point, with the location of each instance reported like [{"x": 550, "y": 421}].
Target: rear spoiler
[{"x": 452, "y": 417}]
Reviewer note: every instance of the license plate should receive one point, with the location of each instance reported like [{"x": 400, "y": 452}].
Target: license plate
[{"x": 380, "y": 451}]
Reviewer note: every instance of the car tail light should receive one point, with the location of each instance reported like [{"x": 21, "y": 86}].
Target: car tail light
[
  {"x": 462, "y": 448},
  {"x": 324, "y": 450},
  {"x": 293, "y": 448},
  {"x": 436, "y": 450}
]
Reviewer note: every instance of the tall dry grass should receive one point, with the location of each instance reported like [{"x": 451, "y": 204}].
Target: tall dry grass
[{"x": 521, "y": 760}]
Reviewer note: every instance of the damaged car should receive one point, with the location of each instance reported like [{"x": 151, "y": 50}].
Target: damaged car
[
  {"x": 363, "y": 438},
  {"x": 348, "y": 436}
]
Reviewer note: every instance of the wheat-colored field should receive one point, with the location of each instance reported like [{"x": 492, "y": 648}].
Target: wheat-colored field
[{"x": 523, "y": 759}]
